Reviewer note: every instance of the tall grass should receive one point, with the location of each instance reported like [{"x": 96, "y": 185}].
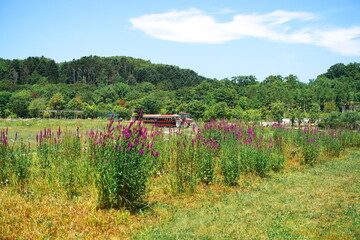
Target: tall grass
[{"x": 15, "y": 161}]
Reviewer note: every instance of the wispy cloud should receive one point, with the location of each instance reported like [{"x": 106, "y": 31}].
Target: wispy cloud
[{"x": 195, "y": 26}]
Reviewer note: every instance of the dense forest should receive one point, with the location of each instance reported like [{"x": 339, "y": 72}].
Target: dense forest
[{"x": 102, "y": 85}]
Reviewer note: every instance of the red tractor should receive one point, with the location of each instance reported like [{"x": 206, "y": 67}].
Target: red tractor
[
  {"x": 168, "y": 120},
  {"x": 183, "y": 120}
]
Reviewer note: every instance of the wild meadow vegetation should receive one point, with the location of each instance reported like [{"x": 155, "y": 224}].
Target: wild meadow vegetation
[
  {"x": 108, "y": 179},
  {"x": 216, "y": 181}
]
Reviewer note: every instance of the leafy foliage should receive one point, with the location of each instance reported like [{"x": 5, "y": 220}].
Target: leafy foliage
[{"x": 96, "y": 85}]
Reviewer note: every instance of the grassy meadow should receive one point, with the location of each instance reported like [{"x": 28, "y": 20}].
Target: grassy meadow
[
  {"x": 28, "y": 128},
  {"x": 101, "y": 179}
]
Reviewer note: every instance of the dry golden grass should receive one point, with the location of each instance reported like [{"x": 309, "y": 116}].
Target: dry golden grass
[{"x": 23, "y": 216}]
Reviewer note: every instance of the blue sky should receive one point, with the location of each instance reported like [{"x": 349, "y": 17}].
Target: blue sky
[{"x": 215, "y": 38}]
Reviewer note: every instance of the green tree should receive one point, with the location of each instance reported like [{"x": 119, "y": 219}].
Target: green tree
[
  {"x": 330, "y": 106},
  {"x": 196, "y": 108},
  {"x": 295, "y": 113},
  {"x": 151, "y": 104},
  {"x": 36, "y": 105},
  {"x": 202, "y": 90},
  {"x": 90, "y": 111},
  {"x": 75, "y": 104},
  {"x": 181, "y": 107},
  {"x": 323, "y": 90},
  {"x": 336, "y": 71},
  {"x": 103, "y": 109},
  {"x": 144, "y": 87},
  {"x": 253, "y": 115},
  {"x": 351, "y": 117},
  {"x": 237, "y": 113},
  {"x": 274, "y": 89},
  {"x": 165, "y": 85},
  {"x": 243, "y": 81},
  {"x": 57, "y": 102},
  {"x": 314, "y": 112},
  {"x": 122, "y": 112},
  {"x": 7, "y": 85},
  {"x": 4, "y": 100},
  {"x": 227, "y": 95},
  {"x": 277, "y": 111},
  {"x": 106, "y": 94},
  {"x": 18, "y": 104},
  {"x": 217, "y": 111},
  {"x": 122, "y": 89}
]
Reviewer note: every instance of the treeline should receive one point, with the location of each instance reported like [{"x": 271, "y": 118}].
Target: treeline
[
  {"x": 96, "y": 71},
  {"x": 103, "y": 85}
]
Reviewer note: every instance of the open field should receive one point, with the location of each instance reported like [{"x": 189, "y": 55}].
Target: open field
[
  {"x": 222, "y": 181},
  {"x": 317, "y": 203},
  {"x": 28, "y": 128}
]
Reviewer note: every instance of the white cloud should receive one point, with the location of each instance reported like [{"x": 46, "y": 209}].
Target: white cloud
[
  {"x": 194, "y": 26},
  {"x": 345, "y": 41}
]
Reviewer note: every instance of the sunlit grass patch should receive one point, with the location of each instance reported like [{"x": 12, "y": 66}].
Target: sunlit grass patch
[
  {"x": 30, "y": 217},
  {"x": 316, "y": 203}
]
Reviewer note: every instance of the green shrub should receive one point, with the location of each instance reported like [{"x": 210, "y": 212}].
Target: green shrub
[{"x": 122, "y": 158}]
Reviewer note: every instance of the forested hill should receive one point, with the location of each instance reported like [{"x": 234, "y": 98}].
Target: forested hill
[
  {"x": 97, "y": 70},
  {"x": 102, "y": 85}
]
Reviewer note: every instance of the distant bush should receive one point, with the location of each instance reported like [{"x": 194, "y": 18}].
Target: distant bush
[{"x": 324, "y": 125}]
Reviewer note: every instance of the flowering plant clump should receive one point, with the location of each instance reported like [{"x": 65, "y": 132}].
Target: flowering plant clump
[
  {"x": 350, "y": 139},
  {"x": 332, "y": 143},
  {"x": 122, "y": 157},
  {"x": 15, "y": 161},
  {"x": 182, "y": 163},
  {"x": 71, "y": 168},
  {"x": 59, "y": 154},
  {"x": 311, "y": 151},
  {"x": 206, "y": 150},
  {"x": 4, "y": 152},
  {"x": 246, "y": 148},
  {"x": 230, "y": 161},
  {"x": 47, "y": 148}
]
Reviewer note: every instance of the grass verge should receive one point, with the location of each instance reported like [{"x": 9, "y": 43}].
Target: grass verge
[{"x": 317, "y": 203}]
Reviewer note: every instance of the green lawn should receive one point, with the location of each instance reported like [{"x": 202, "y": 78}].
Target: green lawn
[{"x": 317, "y": 203}]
